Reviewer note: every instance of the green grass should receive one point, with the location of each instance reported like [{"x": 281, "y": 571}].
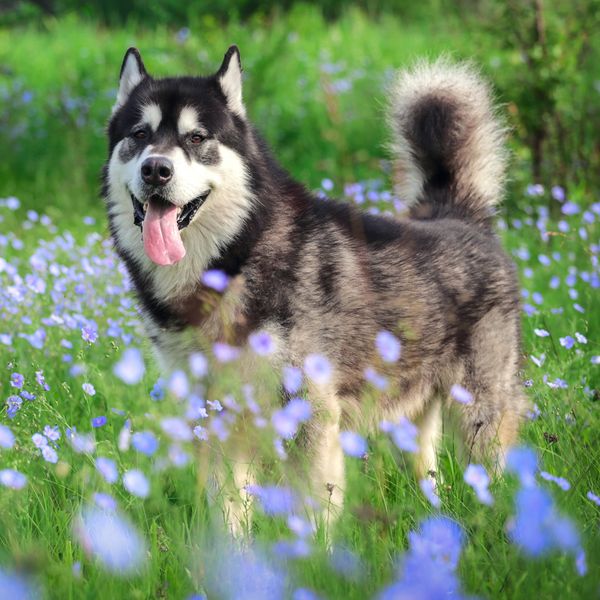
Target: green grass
[{"x": 53, "y": 167}]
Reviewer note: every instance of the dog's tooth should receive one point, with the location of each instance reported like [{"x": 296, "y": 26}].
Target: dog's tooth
[{"x": 145, "y": 206}]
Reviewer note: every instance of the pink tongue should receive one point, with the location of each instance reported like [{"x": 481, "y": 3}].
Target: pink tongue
[{"x": 162, "y": 241}]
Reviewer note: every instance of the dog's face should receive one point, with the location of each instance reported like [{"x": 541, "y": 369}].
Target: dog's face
[{"x": 176, "y": 155}]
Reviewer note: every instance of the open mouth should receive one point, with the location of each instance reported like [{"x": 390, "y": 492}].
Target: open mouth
[
  {"x": 185, "y": 214},
  {"x": 160, "y": 222}
]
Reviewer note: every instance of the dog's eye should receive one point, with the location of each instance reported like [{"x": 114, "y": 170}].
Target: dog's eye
[
  {"x": 196, "y": 138},
  {"x": 140, "y": 134}
]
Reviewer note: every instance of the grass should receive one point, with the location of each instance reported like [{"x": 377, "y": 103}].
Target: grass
[{"x": 57, "y": 147}]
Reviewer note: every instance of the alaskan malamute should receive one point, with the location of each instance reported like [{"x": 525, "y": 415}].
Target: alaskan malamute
[{"x": 190, "y": 186}]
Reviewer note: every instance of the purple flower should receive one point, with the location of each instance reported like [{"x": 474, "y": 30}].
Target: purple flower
[
  {"x": 274, "y": 500},
  {"x": 262, "y": 343},
  {"x": 198, "y": 365},
  {"x": 522, "y": 462},
  {"x": 104, "y": 501},
  {"x": 7, "y": 438},
  {"x": 158, "y": 390},
  {"x": 292, "y": 379},
  {"x": 580, "y": 338},
  {"x": 145, "y": 442},
  {"x": 535, "y": 189},
  {"x": 215, "y": 279},
  {"x": 567, "y": 342},
  {"x": 388, "y": 346},
  {"x": 225, "y": 353},
  {"x": 317, "y": 368},
  {"x": 89, "y": 334},
  {"x": 130, "y": 368},
  {"x": 17, "y": 586},
  {"x": 377, "y": 380},
  {"x": 17, "y": 380},
  {"x": 89, "y": 389},
  {"x": 404, "y": 435},
  {"x": 99, "y": 421},
  {"x": 476, "y": 476},
  {"x": 39, "y": 441},
  {"x": 327, "y": 185},
  {"x": 12, "y": 479},
  {"x": 558, "y": 193},
  {"x": 41, "y": 381},
  {"x": 353, "y": 444},
  {"x": 177, "y": 429},
  {"x": 428, "y": 488},
  {"x": 460, "y": 394},
  {"x": 49, "y": 454},
  {"x": 561, "y": 482},
  {"x": 593, "y": 498},
  {"x": 13, "y": 404},
  {"x": 569, "y": 208},
  {"x": 541, "y": 332},
  {"x": 179, "y": 384},
  {"x": 108, "y": 469},
  {"x": 111, "y": 538},
  {"x": 201, "y": 433},
  {"x": 135, "y": 483}
]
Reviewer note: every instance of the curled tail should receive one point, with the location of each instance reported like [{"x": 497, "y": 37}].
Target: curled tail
[{"x": 449, "y": 143}]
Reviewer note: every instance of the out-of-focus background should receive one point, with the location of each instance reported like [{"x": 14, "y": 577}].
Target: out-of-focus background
[{"x": 316, "y": 74}]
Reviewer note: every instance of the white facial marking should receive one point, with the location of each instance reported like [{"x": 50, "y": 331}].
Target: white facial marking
[
  {"x": 152, "y": 115},
  {"x": 188, "y": 120}
]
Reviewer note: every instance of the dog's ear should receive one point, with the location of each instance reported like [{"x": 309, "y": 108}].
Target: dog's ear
[
  {"x": 132, "y": 72},
  {"x": 230, "y": 77}
]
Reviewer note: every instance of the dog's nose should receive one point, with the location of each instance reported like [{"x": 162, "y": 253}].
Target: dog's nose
[{"x": 157, "y": 170}]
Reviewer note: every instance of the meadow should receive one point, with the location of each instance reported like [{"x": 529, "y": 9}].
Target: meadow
[{"x": 98, "y": 471}]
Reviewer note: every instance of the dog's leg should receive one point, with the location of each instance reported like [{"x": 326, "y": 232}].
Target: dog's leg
[
  {"x": 430, "y": 431},
  {"x": 324, "y": 456}
]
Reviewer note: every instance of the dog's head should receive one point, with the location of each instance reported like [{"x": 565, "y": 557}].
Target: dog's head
[{"x": 176, "y": 161}]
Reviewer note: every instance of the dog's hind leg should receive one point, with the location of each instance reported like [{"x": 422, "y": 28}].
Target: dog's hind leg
[{"x": 490, "y": 422}]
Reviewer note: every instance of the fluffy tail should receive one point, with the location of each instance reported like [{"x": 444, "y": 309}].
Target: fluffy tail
[{"x": 448, "y": 141}]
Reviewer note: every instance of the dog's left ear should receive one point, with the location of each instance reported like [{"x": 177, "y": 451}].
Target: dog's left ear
[
  {"x": 132, "y": 73},
  {"x": 230, "y": 77}
]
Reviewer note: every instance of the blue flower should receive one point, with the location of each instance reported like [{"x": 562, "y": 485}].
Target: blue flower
[
  {"x": 460, "y": 394},
  {"x": 215, "y": 279},
  {"x": 428, "y": 488},
  {"x": 561, "y": 482},
  {"x": 225, "y": 353},
  {"x": 49, "y": 454},
  {"x": 111, "y": 538},
  {"x": 99, "y": 421},
  {"x": 198, "y": 365},
  {"x": 388, "y": 346},
  {"x": 179, "y": 384},
  {"x": 135, "y": 483},
  {"x": 130, "y": 368},
  {"x": 89, "y": 334},
  {"x": 522, "y": 462},
  {"x": 89, "y": 389},
  {"x": 476, "y": 476},
  {"x": 177, "y": 429},
  {"x": 404, "y": 434},
  {"x": 41, "y": 381},
  {"x": 593, "y": 498},
  {"x": 16, "y": 587},
  {"x": 292, "y": 379},
  {"x": 567, "y": 342},
  {"x": 145, "y": 442},
  {"x": 569, "y": 208},
  {"x": 541, "y": 332},
  {"x": 274, "y": 500},
  {"x": 108, "y": 469},
  {"x": 12, "y": 479},
  {"x": 7, "y": 438},
  {"x": 262, "y": 343},
  {"x": 17, "y": 380},
  {"x": 353, "y": 444},
  {"x": 317, "y": 368}
]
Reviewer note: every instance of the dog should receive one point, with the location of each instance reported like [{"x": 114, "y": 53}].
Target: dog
[{"x": 191, "y": 186}]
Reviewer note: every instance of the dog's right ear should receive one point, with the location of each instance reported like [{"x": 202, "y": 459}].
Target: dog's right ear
[{"x": 132, "y": 73}]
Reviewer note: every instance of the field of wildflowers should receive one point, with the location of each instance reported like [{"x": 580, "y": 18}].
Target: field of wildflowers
[{"x": 99, "y": 477}]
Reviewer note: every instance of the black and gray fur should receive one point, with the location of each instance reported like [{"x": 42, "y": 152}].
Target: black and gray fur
[{"x": 324, "y": 278}]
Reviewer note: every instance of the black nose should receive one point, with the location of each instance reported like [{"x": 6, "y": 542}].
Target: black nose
[{"x": 157, "y": 170}]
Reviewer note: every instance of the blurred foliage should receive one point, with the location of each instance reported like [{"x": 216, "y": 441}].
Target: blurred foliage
[
  {"x": 315, "y": 85},
  {"x": 552, "y": 83}
]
